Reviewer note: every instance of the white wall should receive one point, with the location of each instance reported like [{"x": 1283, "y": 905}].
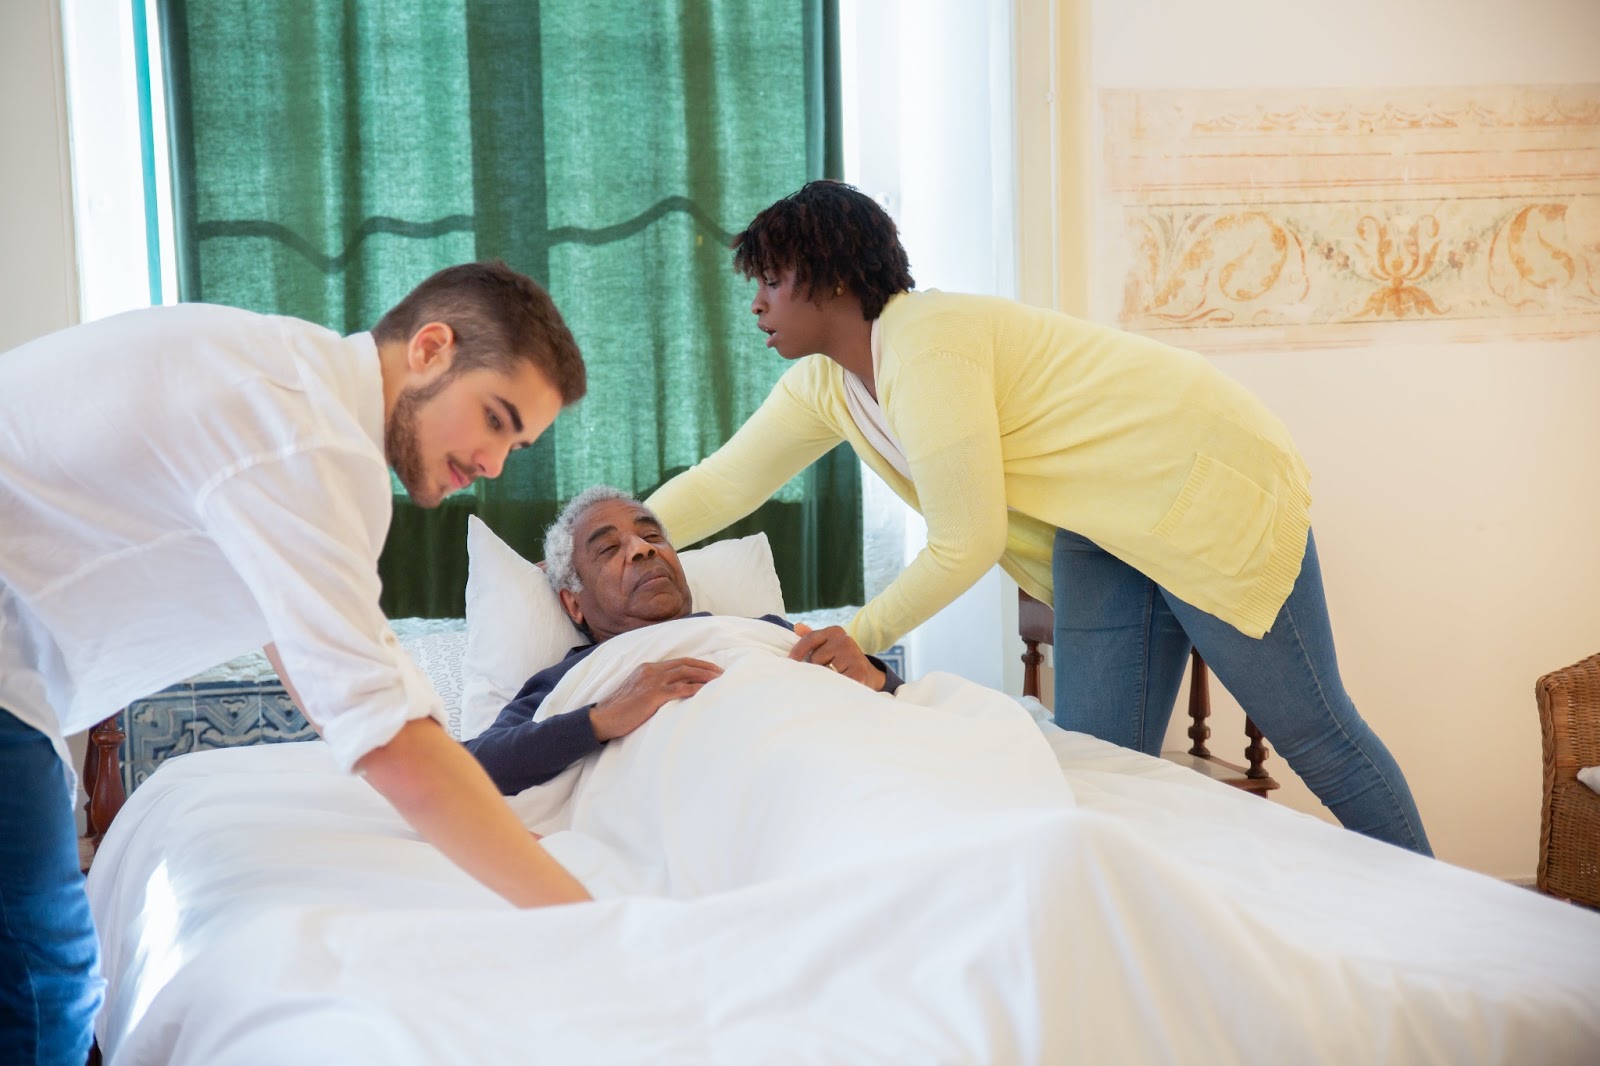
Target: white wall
[{"x": 1457, "y": 503}]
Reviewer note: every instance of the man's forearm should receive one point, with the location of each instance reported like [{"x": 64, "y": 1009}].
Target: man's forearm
[{"x": 446, "y": 796}]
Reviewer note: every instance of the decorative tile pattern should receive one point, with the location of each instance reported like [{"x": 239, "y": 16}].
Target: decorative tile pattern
[
  {"x": 200, "y": 716},
  {"x": 241, "y": 701},
  {"x": 1251, "y": 220}
]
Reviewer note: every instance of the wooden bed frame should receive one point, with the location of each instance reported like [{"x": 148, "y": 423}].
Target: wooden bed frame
[
  {"x": 102, "y": 780},
  {"x": 1036, "y": 625}
]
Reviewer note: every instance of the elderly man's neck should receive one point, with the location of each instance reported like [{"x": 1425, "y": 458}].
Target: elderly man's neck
[{"x": 600, "y": 637}]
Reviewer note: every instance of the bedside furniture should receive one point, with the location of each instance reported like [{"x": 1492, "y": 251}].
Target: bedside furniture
[
  {"x": 1036, "y": 624},
  {"x": 1569, "y": 824}
]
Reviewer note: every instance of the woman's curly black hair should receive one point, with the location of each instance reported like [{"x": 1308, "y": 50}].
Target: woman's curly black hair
[{"x": 832, "y": 234}]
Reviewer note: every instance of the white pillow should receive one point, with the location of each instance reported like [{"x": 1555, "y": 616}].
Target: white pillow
[{"x": 516, "y": 625}]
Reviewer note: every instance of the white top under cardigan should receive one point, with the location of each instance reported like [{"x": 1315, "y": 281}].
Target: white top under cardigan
[
  {"x": 180, "y": 485},
  {"x": 869, "y": 418}
]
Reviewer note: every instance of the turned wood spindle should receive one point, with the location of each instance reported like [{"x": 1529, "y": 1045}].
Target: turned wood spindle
[
  {"x": 1199, "y": 706},
  {"x": 103, "y": 776},
  {"x": 1256, "y": 752}
]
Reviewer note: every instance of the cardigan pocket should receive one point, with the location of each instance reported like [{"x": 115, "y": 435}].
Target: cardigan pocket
[{"x": 1220, "y": 517}]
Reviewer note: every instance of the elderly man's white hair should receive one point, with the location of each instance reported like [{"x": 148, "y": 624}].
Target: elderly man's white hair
[{"x": 558, "y": 539}]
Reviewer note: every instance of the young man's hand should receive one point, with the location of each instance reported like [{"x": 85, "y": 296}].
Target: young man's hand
[
  {"x": 834, "y": 648},
  {"x": 645, "y": 690}
]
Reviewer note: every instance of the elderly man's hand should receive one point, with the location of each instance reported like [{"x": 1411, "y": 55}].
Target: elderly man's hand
[
  {"x": 645, "y": 690},
  {"x": 836, "y": 649}
]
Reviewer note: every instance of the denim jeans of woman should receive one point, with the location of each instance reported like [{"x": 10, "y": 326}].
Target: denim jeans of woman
[
  {"x": 50, "y": 987},
  {"x": 1121, "y": 645}
]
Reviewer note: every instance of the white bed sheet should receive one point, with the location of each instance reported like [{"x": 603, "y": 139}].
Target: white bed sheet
[{"x": 255, "y": 906}]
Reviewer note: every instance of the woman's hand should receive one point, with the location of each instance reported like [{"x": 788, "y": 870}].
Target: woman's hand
[{"x": 834, "y": 648}]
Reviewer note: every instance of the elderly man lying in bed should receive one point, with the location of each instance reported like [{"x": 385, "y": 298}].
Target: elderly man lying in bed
[
  {"x": 609, "y": 560},
  {"x": 766, "y": 765}
]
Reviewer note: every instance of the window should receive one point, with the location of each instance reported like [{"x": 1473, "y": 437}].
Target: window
[{"x": 327, "y": 156}]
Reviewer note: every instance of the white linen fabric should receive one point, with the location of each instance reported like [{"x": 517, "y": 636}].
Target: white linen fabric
[
  {"x": 1590, "y": 776},
  {"x": 258, "y": 907},
  {"x": 174, "y": 449},
  {"x": 818, "y": 763},
  {"x": 516, "y": 625}
]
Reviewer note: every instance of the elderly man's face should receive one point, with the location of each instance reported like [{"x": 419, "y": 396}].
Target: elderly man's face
[{"x": 631, "y": 576}]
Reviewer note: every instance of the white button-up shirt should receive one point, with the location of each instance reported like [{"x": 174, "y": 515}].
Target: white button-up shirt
[{"x": 180, "y": 485}]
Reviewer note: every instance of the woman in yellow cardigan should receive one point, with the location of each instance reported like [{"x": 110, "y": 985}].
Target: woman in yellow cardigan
[{"x": 1152, "y": 499}]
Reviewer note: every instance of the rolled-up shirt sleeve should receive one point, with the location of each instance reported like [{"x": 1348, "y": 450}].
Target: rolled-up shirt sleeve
[{"x": 303, "y": 530}]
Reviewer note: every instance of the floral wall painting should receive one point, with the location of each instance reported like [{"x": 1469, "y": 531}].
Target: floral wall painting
[{"x": 1239, "y": 220}]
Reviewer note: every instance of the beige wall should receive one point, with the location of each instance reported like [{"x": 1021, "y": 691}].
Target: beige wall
[
  {"x": 38, "y": 278},
  {"x": 1458, "y": 520},
  {"x": 1457, "y": 500},
  {"x": 38, "y": 282}
]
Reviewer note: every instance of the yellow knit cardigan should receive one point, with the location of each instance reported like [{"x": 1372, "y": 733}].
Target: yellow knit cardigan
[{"x": 1016, "y": 421}]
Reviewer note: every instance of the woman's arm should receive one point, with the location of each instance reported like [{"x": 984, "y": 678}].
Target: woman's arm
[{"x": 786, "y": 434}]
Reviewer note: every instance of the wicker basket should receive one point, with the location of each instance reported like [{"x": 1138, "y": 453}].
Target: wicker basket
[{"x": 1569, "y": 831}]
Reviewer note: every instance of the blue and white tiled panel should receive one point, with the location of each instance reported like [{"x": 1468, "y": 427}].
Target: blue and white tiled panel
[
  {"x": 895, "y": 659},
  {"x": 200, "y": 716},
  {"x": 242, "y": 702}
]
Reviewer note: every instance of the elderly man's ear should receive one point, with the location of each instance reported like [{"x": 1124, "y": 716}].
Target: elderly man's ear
[{"x": 570, "y": 603}]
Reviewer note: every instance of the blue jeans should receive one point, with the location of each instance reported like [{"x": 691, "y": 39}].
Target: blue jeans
[
  {"x": 50, "y": 987},
  {"x": 1121, "y": 645}
]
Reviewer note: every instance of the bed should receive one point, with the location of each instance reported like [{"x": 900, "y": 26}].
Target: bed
[{"x": 257, "y": 906}]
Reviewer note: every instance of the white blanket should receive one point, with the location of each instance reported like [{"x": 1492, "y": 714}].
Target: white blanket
[
  {"x": 256, "y": 906},
  {"x": 779, "y": 768}
]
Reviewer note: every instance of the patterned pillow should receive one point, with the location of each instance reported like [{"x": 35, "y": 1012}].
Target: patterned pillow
[{"x": 439, "y": 654}]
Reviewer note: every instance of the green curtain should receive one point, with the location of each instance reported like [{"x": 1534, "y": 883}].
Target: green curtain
[{"x": 329, "y": 154}]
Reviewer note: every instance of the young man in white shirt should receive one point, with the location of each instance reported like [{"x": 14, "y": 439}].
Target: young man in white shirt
[{"x": 181, "y": 484}]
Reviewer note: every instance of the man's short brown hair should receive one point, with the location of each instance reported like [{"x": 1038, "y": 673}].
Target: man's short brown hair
[{"x": 498, "y": 316}]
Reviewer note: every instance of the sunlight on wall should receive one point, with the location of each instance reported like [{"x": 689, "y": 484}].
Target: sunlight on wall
[{"x": 927, "y": 109}]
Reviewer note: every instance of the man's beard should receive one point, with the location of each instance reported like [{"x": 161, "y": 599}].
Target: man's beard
[{"x": 400, "y": 445}]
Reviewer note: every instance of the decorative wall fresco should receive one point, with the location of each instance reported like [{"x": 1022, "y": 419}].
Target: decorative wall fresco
[{"x": 1255, "y": 220}]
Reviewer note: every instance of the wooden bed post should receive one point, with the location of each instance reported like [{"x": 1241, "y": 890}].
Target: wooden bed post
[
  {"x": 1256, "y": 752},
  {"x": 1035, "y": 624},
  {"x": 102, "y": 777},
  {"x": 1199, "y": 706},
  {"x": 1031, "y": 658}
]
